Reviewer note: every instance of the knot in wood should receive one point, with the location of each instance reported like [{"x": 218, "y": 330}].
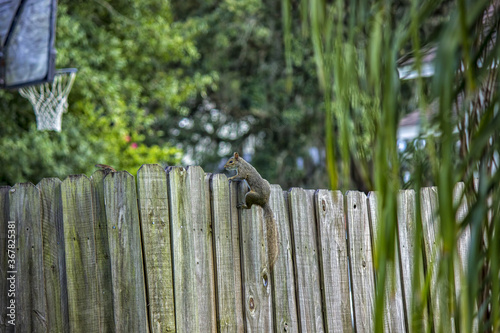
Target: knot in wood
[{"x": 251, "y": 303}]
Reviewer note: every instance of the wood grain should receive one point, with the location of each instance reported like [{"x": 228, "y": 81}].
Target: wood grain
[
  {"x": 285, "y": 306},
  {"x": 307, "y": 273},
  {"x": 361, "y": 261},
  {"x": 461, "y": 257},
  {"x": 192, "y": 251},
  {"x": 333, "y": 260},
  {"x": 228, "y": 291},
  {"x": 103, "y": 262},
  {"x": 31, "y": 303},
  {"x": 125, "y": 250},
  {"x": 80, "y": 258},
  {"x": 155, "y": 225},
  {"x": 394, "y": 314},
  {"x": 256, "y": 276},
  {"x": 53, "y": 254},
  {"x": 411, "y": 258},
  {"x": 432, "y": 250}
]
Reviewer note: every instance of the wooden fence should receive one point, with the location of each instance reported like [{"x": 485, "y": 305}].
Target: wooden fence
[{"x": 171, "y": 252}]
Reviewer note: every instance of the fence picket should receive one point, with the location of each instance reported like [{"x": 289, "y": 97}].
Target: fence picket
[
  {"x": 361, "y": 261},
  {"x": 53, "y": 254},
  {"x": 256, "y": 276},
  {"x": 228, "y": 291},
  {"x": 79, "y": 245},
  {"x": 31, "y": 303},
  {"x": 432, "y": 250},
  {"x": 192, "y": 251},
  {"x": 394, "y": 316},
  {"x": 307, "y": 274},
  {"x": 283, "y": 273},
  {"x": 103, "y": 263},
  {"x": 125, "y": 250},
  {"x": 410, "y": 261},
  {"x": 155, "y": 225},
  {"x": 333, "y": 260},
  {"x": 462, "y": 254}
]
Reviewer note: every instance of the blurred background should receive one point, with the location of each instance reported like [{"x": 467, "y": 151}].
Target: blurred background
[
  {"x": 190, "y": 82},
  {"x": 181, "y": 82}
]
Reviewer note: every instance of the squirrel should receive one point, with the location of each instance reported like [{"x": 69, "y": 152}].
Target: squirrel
[{"x": 258, "y": 194}]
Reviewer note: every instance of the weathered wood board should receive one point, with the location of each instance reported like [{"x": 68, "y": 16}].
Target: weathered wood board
[
  {"x": 79, "y": 245},
  {"x": 307, "y": 273},
  {"x": 192, "y": 251},
  {"x": 333, "y": 260},
  {"x": 255, "y": 270},
  {"x": 155, "y": 225},
  {"x": 285, "y": 307},
  {"x": 394, "y": 314},
  {"x": 53, "y": 255},
  {"x": 361, "y": 261},
  {"x": 410, "y": 253},
  {"x": 461, "y": 257},
  {"x": 229, "y": 308},
  {"x": 31, "y": 303},
  {"x": 103, "y": 263},
  {"x": 432, "y": 250},
  {"x": 125, "y": 250}
]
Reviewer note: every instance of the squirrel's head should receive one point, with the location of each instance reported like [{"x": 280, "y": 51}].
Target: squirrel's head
[{"x": 232, "y": 163}]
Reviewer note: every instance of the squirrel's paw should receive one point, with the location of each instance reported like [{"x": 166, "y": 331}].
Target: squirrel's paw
[{"x": 241, "y": 205}]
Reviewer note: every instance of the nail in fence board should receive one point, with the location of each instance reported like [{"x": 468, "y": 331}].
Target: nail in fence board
[
  {"x": 79, "y": 248},
  {"x": 394, "y": 317},
  {"x": 228, "y": 291},
  {"x": 256, "y": 277},
  {"x": 124, "y": 237},
  {"x": 103, "y": 263},
  {"x": 31, "y": 303},
  {"x": 283, "y": 273},
  {"x": 407, "y": 224},
  {"x": 333, "y": 260},
  {"x": 53, "y": 255},
  {"x": 361, "y": 261},
  {"x": 4, "y": 236},
  {"x": 192, "y": 251},
  {"x": 155, "y": 225},
  {"x": 307, "y": 274}
]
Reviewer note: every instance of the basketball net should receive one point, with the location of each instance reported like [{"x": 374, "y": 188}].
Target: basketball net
[{"x": 50, "y": 99}]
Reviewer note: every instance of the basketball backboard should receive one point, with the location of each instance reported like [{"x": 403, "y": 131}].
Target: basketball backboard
[{"x": 27, "y": 34}]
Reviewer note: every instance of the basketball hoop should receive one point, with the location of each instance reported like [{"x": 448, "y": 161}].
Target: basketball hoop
[{"x": 50, "y": 99}]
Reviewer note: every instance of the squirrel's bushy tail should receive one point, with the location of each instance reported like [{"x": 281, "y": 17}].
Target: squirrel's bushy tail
[{"x": 272, "y": 236}]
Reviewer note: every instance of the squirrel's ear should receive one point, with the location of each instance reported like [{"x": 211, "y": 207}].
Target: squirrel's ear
[{"x": 236, "y": 156}]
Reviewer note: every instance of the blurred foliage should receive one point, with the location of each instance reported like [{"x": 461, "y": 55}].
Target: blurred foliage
[
  {"x": 132, "y": 59},
  {"x": 357, "y": 50},
  {"x": 258, "y": 109}
]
